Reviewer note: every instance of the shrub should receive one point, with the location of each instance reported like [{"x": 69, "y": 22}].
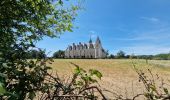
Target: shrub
[
  {"x": 22, "y": 24},
  {"x": 81, "y": 84}
]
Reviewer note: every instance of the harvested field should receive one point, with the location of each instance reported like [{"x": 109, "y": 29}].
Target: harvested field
[{"x": 119, "y": 75}]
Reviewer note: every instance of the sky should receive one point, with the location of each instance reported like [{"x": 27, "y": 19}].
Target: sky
[{"x": 134, "y": 26}]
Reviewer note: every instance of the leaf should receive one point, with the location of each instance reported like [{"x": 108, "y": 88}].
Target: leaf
[
  {"x": 92, "y": 80},
  {"x": 166, "y": 90},
  {"x": 153, "y": 88},
  {"x": 32, "y": 95},
  {"x": 96, "y": 73},
  {"x": 80, "y": 83},
  {"x": 2, "y": 89},
  {"x": 78, "y": 70},
  {"x": 60, "y": 2},
  {"x": 3, "y": 75},
  {"x": 146, "y": 95}
]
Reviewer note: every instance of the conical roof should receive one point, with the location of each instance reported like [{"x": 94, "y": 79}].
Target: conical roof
[
  {"x": 98, "y": 40},
  {"x": 90, "y": 41}
]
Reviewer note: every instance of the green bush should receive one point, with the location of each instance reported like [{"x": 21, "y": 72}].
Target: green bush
[{"x": 22, "y": 24}]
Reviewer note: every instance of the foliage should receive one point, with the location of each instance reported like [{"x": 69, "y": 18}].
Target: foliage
[
  {"x": 145, "y": 56},
  {"x": 22, "y": 23},
  {"x": 81, "y": 84},
  {"x": 153, "y": 91},
  {"x": 107, "y": 53},
  {"x": 165, "y": 56},
  {"x": 2, "y": 89},
  {"x": 111, "y": 56},
  {"x": 162, "y": 56},
  {"x": 155, "y": 87},
  {"x": 36, "y": 54},
  {"x": 120, "y": 54},
  {"x": 87, "y": 78},
  {"x": 59, "y": 54}
]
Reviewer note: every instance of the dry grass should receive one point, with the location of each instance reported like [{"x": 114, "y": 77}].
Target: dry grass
[{"x": 119, "y": 76}]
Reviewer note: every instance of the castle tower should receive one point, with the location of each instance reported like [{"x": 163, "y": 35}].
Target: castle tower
[
  {"x": 91, "y": 49},
  {"x": 91, "y": 44},
  {"x": 90, "y": 41},
  {"x": 98, "y": 48},
  {"x": 98, "y": 43}
]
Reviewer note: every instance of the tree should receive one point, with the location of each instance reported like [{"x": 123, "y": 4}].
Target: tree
[
  {"x": 22, "y": 23},
  {"x": 107, "y": 53},
  {"x": 162, "y": 56},
  {"x": 145, "y": 57},
  {"x": 120, "y": 54},
  {"x": 132, "y": 56},
  {"x": 37, "y": 54},
  {"x": 111, "y": 56},
  {"x": 58, "y": 54}
]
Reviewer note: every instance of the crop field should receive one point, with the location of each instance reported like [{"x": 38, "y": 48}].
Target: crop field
[{"x": 119, "y": 75}]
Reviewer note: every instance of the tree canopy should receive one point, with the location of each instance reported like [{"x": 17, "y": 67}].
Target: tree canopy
[
  {"x": 22, "y": 23},
  {"x": 58, "y": 54},
  {"x": 120, "y": 54},
  {"x": 36, "y": 54}
]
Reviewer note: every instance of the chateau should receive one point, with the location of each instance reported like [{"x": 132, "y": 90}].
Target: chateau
[{"x": 89, "y": 50}]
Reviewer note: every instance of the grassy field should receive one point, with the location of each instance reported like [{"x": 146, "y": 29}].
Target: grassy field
[{"x": 119, "y": 75}]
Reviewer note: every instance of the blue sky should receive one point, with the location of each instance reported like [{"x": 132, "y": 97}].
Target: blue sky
[{"x": 134, "y": 26}]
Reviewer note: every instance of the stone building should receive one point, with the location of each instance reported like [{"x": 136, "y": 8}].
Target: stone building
[{"x": 89, "y": 50}]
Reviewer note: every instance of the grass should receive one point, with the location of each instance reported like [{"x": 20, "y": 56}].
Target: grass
[
  {"x": 108, "y": 66},
  {"x": 118, "y": 74}
]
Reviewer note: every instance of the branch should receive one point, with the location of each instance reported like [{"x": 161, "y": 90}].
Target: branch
[{"x": 94, "y": 87}]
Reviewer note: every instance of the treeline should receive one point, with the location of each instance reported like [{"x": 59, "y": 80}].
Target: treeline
[
  {"x": 119, "y": 55},
  {"x": 39, "y": 54},
  {"x": 122, "y": 55},
  {"x": 58, "y": 54},
  {"x": 36, "y": 54},
  {"x": 165, "y": 56}
]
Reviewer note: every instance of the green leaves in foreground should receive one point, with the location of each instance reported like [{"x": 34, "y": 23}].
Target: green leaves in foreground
[
  {"x": 22, "y": 24},
  {"x": 96, "y": 73},
  {"x": 91, "y": 72},
  {"x": 2, "y": 89},
  {"x": 86, "y": 78}
]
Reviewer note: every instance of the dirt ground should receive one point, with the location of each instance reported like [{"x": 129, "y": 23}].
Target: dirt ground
[{"x": 119, "y": 75}]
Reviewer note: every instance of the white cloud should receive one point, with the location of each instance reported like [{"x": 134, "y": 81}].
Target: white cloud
[
  {"x": 147, "y": 49},
  {"x": 93, "y": 34},
  {"x": 159, "y": 34},
  {"x": 147, "y": 42},
  {"x": 151, "y": 19}
]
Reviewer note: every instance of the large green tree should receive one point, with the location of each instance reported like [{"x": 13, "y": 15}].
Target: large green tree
[
  {"x": 59, "y": 54},
  {"x": 22, "y": 23},
  {"x": 120, "y": 54},
  {"x": 37, "y": 54}
]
